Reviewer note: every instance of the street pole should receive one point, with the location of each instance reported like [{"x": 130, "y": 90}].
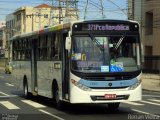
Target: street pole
[
  {"x": 159, "y": 69},
  {"x": 32, "y": 23},
  {"x": 85, "y": 14}
]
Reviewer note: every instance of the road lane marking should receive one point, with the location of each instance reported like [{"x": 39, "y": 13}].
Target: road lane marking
[
  {"x": 154, "y": 100},
  {"x": 142, "y": 112},
  {"x": 34, "y": 104},
  {"x": 55, "y": 116},
  {"x": 3, "y": 93},
  {"x": 151, "y": 95},
  {"x": 9, "y": 105},
  {"x": 150, "y": 103},
  {"x": 133, "y": 103},
  {"x": 9, "y": 96},
  {"x": 8, "y": 84}
]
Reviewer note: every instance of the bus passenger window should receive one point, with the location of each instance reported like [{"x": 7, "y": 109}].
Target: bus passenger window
[
  {"x": 52, "y": 46},
  {"x": 55, "y": 46}
]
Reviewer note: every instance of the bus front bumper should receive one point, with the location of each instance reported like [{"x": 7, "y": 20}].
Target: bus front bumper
[{"x": 78, "y": 95}]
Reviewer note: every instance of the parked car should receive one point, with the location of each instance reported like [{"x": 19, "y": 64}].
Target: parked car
[{"x": 8, "y": 68}]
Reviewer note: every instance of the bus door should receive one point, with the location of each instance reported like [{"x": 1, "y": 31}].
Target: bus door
[
  {"x": 65, "y": 69},
  {"x": 34, "y": 87}
]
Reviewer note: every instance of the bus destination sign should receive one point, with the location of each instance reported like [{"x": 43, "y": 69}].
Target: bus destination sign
[{"x": 107, "y": 27}]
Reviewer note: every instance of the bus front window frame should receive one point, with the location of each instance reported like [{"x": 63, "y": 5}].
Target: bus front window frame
[{"x": 108, "y": 67}]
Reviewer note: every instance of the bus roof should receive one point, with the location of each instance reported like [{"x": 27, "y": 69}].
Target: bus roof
[
  {"x": 43, "y": 30},
  {"x": 67, "y": 25},
  {"x": 110, "y": 20}
]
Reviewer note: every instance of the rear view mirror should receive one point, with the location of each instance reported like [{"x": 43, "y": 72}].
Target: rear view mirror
[{"x": 68, "y": 43}]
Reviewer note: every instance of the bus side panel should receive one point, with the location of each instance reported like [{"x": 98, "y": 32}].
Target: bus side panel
[
  {"x": 21, "y": 69},
  {"x": 46, "y": 72}
]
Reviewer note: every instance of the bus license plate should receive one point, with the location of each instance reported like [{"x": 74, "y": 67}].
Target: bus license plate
[{"x": 110, "y": 96}]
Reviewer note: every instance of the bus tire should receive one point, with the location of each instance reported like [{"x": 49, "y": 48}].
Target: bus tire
[
  {"x": 113, "y": 106},
  {"x": 59, "y": 103},
  {"x": 25, "y": 88}
]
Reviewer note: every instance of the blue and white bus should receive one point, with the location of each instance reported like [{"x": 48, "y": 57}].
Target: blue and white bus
[{"x": 96, "y": 61}]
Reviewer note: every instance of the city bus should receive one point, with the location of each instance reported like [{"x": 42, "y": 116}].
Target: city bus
[{"x": 81, "y": 62}]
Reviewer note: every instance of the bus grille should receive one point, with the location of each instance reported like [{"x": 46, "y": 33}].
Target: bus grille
[
  {"x": 109, "y": 87},
  {"x": 109, "y": 78},
  {"x": 118, "y": 97}
]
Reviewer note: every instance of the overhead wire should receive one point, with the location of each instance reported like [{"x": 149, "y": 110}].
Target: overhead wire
[{"x": 92, "y": 6}]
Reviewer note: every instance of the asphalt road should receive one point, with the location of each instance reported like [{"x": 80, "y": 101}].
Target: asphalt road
[{"x": 14, "y": 106}]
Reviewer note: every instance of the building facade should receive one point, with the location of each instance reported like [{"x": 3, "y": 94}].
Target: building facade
[
  {"x": 27, "y": 19},
  {"x": 2, "y": 46},
  {"x": 2, "y": 24},
  {"x": 2, "y": 42},
  {"x": 2, "y": 38},
  {"x": 2, "y": 34},
  {"x": 147, "y": 13}
]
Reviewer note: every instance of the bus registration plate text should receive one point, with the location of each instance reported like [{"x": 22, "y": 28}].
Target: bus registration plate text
[{"x": 110, "y": 96}]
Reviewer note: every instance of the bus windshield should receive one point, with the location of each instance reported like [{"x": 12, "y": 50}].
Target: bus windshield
[{"x": 105, "y": 53}]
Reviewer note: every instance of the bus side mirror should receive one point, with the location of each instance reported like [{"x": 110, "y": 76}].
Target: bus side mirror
[{"x": 68, "y": 43}]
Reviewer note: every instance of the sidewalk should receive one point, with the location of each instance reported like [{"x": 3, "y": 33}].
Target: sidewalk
[
  {"x": 1, "y": 69},
  {"x": 151, "y": 82}
]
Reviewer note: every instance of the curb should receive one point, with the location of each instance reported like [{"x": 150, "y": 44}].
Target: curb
[{"x": 150, "y": 90}]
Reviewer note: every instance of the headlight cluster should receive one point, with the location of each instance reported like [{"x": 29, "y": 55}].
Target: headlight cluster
[
  {"x": 81, "y": 86},
  {"x": 132, "y": 87}
]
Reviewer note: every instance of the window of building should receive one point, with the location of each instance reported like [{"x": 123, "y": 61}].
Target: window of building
[
  {"x": 7, "y": 24},
  {"x": 1, "y": 32},
  {"x": 149, "y": 23},
  {"x": 1, "y": 43},
  {"x": 18, "y": 17},
  {"x": 148, "y": 50}
]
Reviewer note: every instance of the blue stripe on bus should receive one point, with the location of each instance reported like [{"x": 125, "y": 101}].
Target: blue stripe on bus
[{"x": 117, "y": 83}]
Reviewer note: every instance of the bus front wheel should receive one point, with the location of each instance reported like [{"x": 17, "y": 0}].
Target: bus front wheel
[
  {"x": 59, "y": 103},
  {"x": 25, "y": 89},
  {"x": 113, "y": 106}
]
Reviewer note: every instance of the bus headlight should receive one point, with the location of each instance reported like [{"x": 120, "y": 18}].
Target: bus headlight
[
  {"x": 132, "y": 87},
  {"x": 81, "y": 86}
]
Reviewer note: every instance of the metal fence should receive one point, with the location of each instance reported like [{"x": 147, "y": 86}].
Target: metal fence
[{"x": 151, "y": 64}]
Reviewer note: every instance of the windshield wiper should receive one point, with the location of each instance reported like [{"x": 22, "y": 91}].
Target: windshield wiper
[
  {"x": 96, "y": 41},
  {"x": 119, "y": 42}
]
